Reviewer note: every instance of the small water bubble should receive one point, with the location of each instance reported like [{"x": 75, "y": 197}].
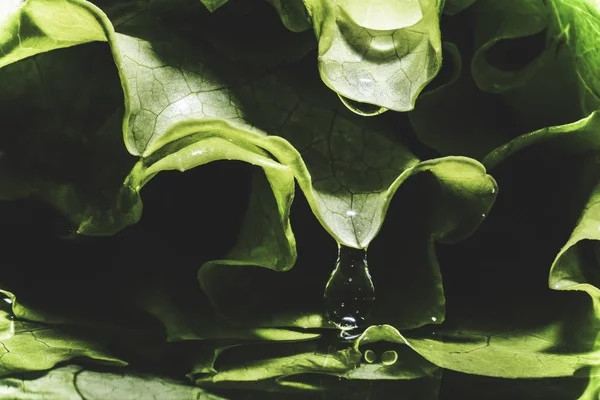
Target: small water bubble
[
  {"x": 433, "y": 319},
  {"x": 343, "y": 305},
  {"x": 389, "y": 357},
  {"x": 349, "y": 279},
  {"x": 370, "y": 356}
]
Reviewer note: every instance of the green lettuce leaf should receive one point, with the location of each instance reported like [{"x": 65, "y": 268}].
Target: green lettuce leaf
[
  {"x": 248, "y": 364},
  {"x": 496, "y": 22},
  {"x": 191, "y": 99},
  {"x": 377, "y": 52},
  {"x": 465, "y": 115},
  {"x": 174, "y": 98},
  {"x": 406, "y": 249},
  {"x": 562, "y": 339},
  {"x": 80, "y": 383},
  {"x": 573, "y": 268},
  {"x": 213, "y": 5},
  {"x": 27, "y": 346},
  {"x": 64, "y": 163},
  {"x": 509, "y": 353},
  {"x": 28, "y": 28},
  {"x": 578, "y": 22}
]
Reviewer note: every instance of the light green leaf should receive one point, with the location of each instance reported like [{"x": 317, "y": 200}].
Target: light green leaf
[
  {"x": 212, "y": 5},
  {"x": 497, "y": 21},
  {"x": 346, "y": 178},
  {"x": 508, "y": 353},
  {"x": 30, "y": 346},
  {"x": 576, "y": 265},
  {"x": 178, "y": 93},
  {"x": 407, "y": 366},
  {"x": 74, "y": 382},
  {"x": 434, "y": 206},
  {"x": 187, "y": 106},
  {"x": 31, "y": 27},
  {"x": 457, "y": 109},
  {"x": 579, "y": 22},
  {"x": 579, "y": 137},
  {"x": 64, "y": 163},
  {"x": 458, "y": 118},
  {"x": 247, "y": 363},
  {"x": 592, "y": 391},
  {"x": 377, "y": 52},
  {"x": 312, "y": 386},
  {"x": 494, "y": 347}
]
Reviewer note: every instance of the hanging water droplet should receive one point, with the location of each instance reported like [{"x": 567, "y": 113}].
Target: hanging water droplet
[{"x": 349, "y": 293}]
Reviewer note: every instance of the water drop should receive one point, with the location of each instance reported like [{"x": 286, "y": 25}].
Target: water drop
[
  {"x": 370, "y": 356},
  {"x": 389, "y": 357},
  {"x": 349, "y": 293},
  {"x": 433, "y": 319}
]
